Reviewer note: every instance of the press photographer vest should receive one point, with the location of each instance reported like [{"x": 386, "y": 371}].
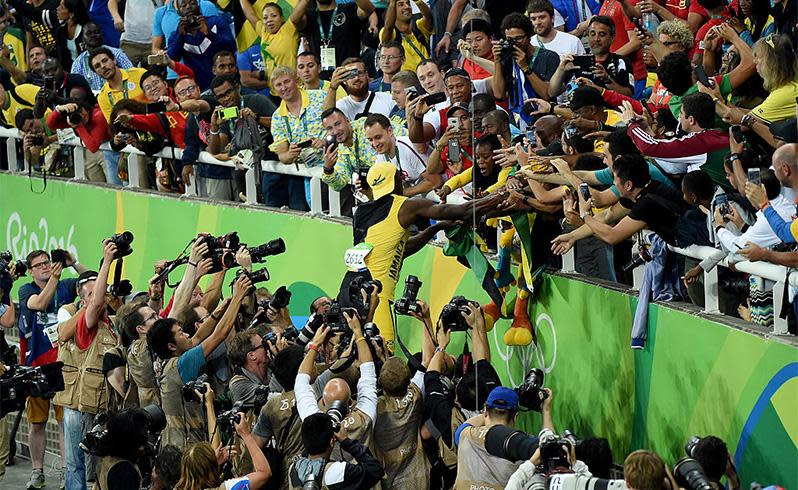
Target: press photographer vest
[
  {"x": 93, "y": 387},
  {"x": 359, "y": 427},
  {"x": 397, "y": 443},
  {"x": 287, "y": 429},
  {"x": 140, "y": 366},
  {"x": 104, "y": 466},
  {"x": 447, "y": 449},
  {"x": 478, "y": 469},
  {"x": 73, "y": 358},
  {"x": 117, "y": 402},
  {"x": 185, "y": 421}
]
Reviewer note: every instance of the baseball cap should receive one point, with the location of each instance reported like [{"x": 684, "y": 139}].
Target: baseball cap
[
  {"x": 786, "y": 131},
  {"x": 503, "y": 398},
  {"x": 456, "y": 72},
  {"x": 381, "y": 179},
  {"x": 455, "y": 107},
  {"x": 587, "y": 96},
  {"x": 85, "y": 277}
]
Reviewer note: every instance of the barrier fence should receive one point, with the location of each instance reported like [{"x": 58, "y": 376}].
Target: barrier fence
[{"x": 780, "y": 275}]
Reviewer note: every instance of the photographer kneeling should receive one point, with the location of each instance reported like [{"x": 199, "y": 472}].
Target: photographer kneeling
[{"x": 127, "y": 433}]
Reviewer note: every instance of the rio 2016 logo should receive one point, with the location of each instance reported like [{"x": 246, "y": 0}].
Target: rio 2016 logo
[{"x": 21, "y": 238}]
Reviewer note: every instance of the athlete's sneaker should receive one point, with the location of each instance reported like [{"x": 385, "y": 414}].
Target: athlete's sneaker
[
  {"x": 36, "y": 480},
  {"x": 60, "y": 474}
]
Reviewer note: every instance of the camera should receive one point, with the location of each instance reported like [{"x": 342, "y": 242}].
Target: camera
[
  {"x": 451, "y": 318},
  {"x": 260, "y": 275},
  {"x": 188, "y": 389},
  {"x": 411, "y": 93},
  {"x": 690, "y": 445},
  {"x": 689, "y": 474},
  {"x": 97, "y": 441},
  {"x": 330, "y": 143},
  {"x": 231, "y": 417},
  {"x": 337, "y": 411},
  {"x": 20, "y": 382},
  {"x": 510, "y": 444},
  {"x": 122, "y": 242},
  {"x": 7, "y": 261},
  {"x": 59, "y": 255},
  {"x": 358, "y": 284},
  {"x": 192, "y": 22},
  {"x": 531, "y": 393},
  {"x": 280, "y": 299},
  {"x": 353, "y": 73},
  {"x": 408, "y": 304},
  {"x": 221, "y": 249},
  {"x": 554, "y": 450},
  {"x": 274, "y": 247},
  {"x": 37, "y": 140},
  {"x": 75, "y": 118},
  {"x": 120, "y": 289},
  {"x": 156, "y": 59},
  {"x": 335, "y": 319},
  {"x": 49, "y": 84}
]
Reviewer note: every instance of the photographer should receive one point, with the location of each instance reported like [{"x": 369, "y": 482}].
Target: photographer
[
  {"x": 58, "y": 87},
  {"x": 360, "y": 419},
  {"x": 360, "y": 101},
  {"x": 249, "y": 354},
  {"x": 86, "y": 120},
  {"x": 119, "y": 469},
  {"x": 713, "y": 456},
  {"x": 524, "y": 477},
  {"x": 319, "y": 437},
  {"x": 134, "y": 320},
  {"x": 184, "y": 422},
  {"x": 36, "y": 142},
  {"x": 198, "y": 38}
]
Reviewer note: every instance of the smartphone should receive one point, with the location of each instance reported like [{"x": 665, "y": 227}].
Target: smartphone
[
  {"x": 59, "y": 255},
  {"x": 351, "y": 74},
  {"x": 701, "y": 76},
  {"x": 330, "y": 143},
  {"x": 411, "y": 93},
  {"x": 737, "y": 133},
  {"x": 156, "y": 59},
  {"x": 154, "y": 107},
  {"x": 435, "y": 98},
  {"x": 228, "y": 113},
  {"x": 530, "y": 135},
  {"x": 754, "y": 176},
  {"x": 305, "y": 144},
  {"x": 584, "y": 189},
  {"x": 454, "y": 122},
  {"x": 454, "y": 151},
  {"x": 636, "y": 21},
  {"x": 529, "y": 107},
  {"x": 584, "y": 62}
]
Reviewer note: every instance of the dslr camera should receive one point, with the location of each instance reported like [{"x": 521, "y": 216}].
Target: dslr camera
[
  {"x": 531, "y": 393},
  {"x": 408, "y": 303},
  {"x": 188, "y": 389},
  {"x": 280, "y": 299},
  {"x": 7, "y": 262},
  {"x": 229, "y": 418},
  {"x": 359, "y": 284},
  {"x": 122, "y": 242},
  {"x": 337, "y": 411},
  {"x": 259, "y": 253},
  {"x": 451, "y": 318},
  {"x": 335, "y": 319},
  {"x": 20, "y": 382},
  {"x": 221, "y": 249},
  {"x": 98, "y": 442}
]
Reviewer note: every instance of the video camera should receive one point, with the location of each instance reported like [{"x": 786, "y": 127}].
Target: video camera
[
  {"x": 531, "y": 393},
  {"x": 7, "y": 262},
  {"x": 20, "y": 382},
  {"x": 122, "y": 242},
  {"x": 98, "y": 442},
  {"x": 451, "y": 318},
  {"x": 198, "y": 385},
  {"x": 408, "y": 303}
]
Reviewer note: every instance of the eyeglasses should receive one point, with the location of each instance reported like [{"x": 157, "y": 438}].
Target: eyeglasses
[
  {"x": 226, "y": 93},
  {"x": 152, "y": 86},
  {"x": 187, "y": 91},
  {"x": 517, "y": 39},
  {"x": 40, "y": 265}
]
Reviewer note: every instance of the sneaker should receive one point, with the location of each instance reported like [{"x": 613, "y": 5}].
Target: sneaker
[
  {"x": 60, "y": 474},
  {"x": 36, "y": 480}
]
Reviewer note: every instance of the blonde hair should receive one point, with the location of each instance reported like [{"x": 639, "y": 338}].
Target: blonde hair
[
  {"x": 198, "y": 468},
  {"x": 281, "y": 71},
  {"x": 644, "y": 470},
  {"x": 679, "y": 31},
  {"x": 779, "y": 66}
]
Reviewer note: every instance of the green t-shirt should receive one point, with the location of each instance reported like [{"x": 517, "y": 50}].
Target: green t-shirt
[{"x": 675, "y": 104}]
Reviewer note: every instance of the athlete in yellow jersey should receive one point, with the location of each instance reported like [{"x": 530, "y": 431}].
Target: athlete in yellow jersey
[{"x": 381, "y": 234}]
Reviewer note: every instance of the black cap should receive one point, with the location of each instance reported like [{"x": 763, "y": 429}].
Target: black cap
[
  {"x": 785, "y": 130},
  {"x": 457, "y": 72},
  {"x": 86, "y": 276},
  {"x": 455, "y": 107},
  {"x": 587, "y": 96}
]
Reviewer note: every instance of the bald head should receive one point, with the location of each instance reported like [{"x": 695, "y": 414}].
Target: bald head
[
  {"x": 548, "y": 128},
  {"x": 336, "y": 389},
  {"x": 786, "y": 155}
]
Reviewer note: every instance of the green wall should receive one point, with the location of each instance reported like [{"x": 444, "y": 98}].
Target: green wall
[{"x": 694, "y": 377}]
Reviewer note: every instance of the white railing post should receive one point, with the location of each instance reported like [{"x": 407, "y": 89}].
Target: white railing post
[
  {"x": 334, "y": 198},
  {"x": 11, "y": 154},
  {"x": 779, "y": 324},
  {"x": 315, "y": 195},
  {"x": 133, "y": 164},
  {"x": 79, "y": 157},
  {"x": 637, "y": 276},
  {"x": 569, "y": 260},
  {"x": 711, "y": 291},
  {"x": 252, "y": 187}
]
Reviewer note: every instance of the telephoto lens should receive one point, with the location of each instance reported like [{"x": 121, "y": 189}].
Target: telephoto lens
[
  {"x": 274, "y": 247},
  {"x": 337, "y": 411},
  {"x": 689, "y": 475},
  {"x": 510, "y": 444}
]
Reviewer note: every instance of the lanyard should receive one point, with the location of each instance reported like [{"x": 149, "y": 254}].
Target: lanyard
[
  {"x": 406, "y": 39},
  {"x": 301, "y": 120},
  {"x": 326, "y": 40},
  {"x": 580, "y": 14},
  {"x": 124, "y": 93}
]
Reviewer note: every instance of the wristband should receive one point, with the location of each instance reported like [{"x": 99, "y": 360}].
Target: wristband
[
  {"x": 733, "y": 157},
  {"x": 764, "y": 206},
  {"x": 747, "y": 120},
  {"x": 179, "y": 107},
  {"x": 551, "y": 108},
  {"x": 192, "y": 263},
  {"x": 156, "y": 298},
  {"x": 419, "y": 119},
  {"x": 439, "y": 349},
  {"x": 447, "y": 33},
  {"x": 328, "y": 171},
  {"x": 360, "y": 338},
  {"x": 215, "y": 133},
  {"x": 312, "y": 347},
  {"x": 75, "y": 264}
]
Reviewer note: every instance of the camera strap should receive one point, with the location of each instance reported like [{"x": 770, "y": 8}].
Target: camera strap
[
  {"x": 411, "y": 360},
  {"x": 117, "y": 273}
]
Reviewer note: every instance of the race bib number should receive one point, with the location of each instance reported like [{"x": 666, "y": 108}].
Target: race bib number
[
  {"x": 355, "y": 257},
  {"x": 327, "y": 59}
]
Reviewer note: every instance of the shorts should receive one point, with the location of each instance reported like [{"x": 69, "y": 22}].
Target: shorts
[{"x": 38, "y": 410}]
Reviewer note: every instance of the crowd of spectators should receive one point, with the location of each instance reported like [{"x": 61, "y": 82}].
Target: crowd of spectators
[{"x": 617, "y": 128}]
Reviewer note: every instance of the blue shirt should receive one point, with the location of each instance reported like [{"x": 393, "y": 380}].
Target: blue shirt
[
  {"x": 378, "y": 85},
  {"x": 252, "y": 60},
  {"x": 166, "y": 18},
  {"x": 81, "y": 67},
  {"x": 190, "y": 362},
  {"x": 606, "y": 178},
  {"x": 196, "y": 51},
  {"x": 32, "y": 323},
  {"x": 571, "y": 9},
  {"x": 779, "y": 226}
]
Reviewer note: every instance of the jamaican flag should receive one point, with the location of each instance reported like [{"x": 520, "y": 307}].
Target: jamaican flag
[
  {"x": 523, "y": 228},
  {"x": 461, "y": 244},
  {"x": 245, "y": 33}
]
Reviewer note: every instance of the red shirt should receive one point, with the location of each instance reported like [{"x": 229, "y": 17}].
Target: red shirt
[
  {"x": 613, "y": 9},
  {"x": 704, "y": 29},
  {"x": 83, "y": 336},
  {"x": 152, "y": 123},
  {"x": 92, "y": 134},
  {"x": 467, "y": 159},
  {"x": 678, "y": 8}
]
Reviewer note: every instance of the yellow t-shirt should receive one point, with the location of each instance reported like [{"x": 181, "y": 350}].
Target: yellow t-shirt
[
  {"x": 412, "y": 45},
  {"x": 14, "y": 39},
  {"x": 612, "y": 119},
  {"x": 20, "y": 97},
  {"x": 279, "y": 49},
  {"x": 131, "y": 89},
  {"x": 779, "y": 105}
]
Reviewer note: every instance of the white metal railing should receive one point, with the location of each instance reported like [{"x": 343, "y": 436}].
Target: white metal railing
[
  {"x": 134, "y": 180},
  {"x": 764, "y": 270}
]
